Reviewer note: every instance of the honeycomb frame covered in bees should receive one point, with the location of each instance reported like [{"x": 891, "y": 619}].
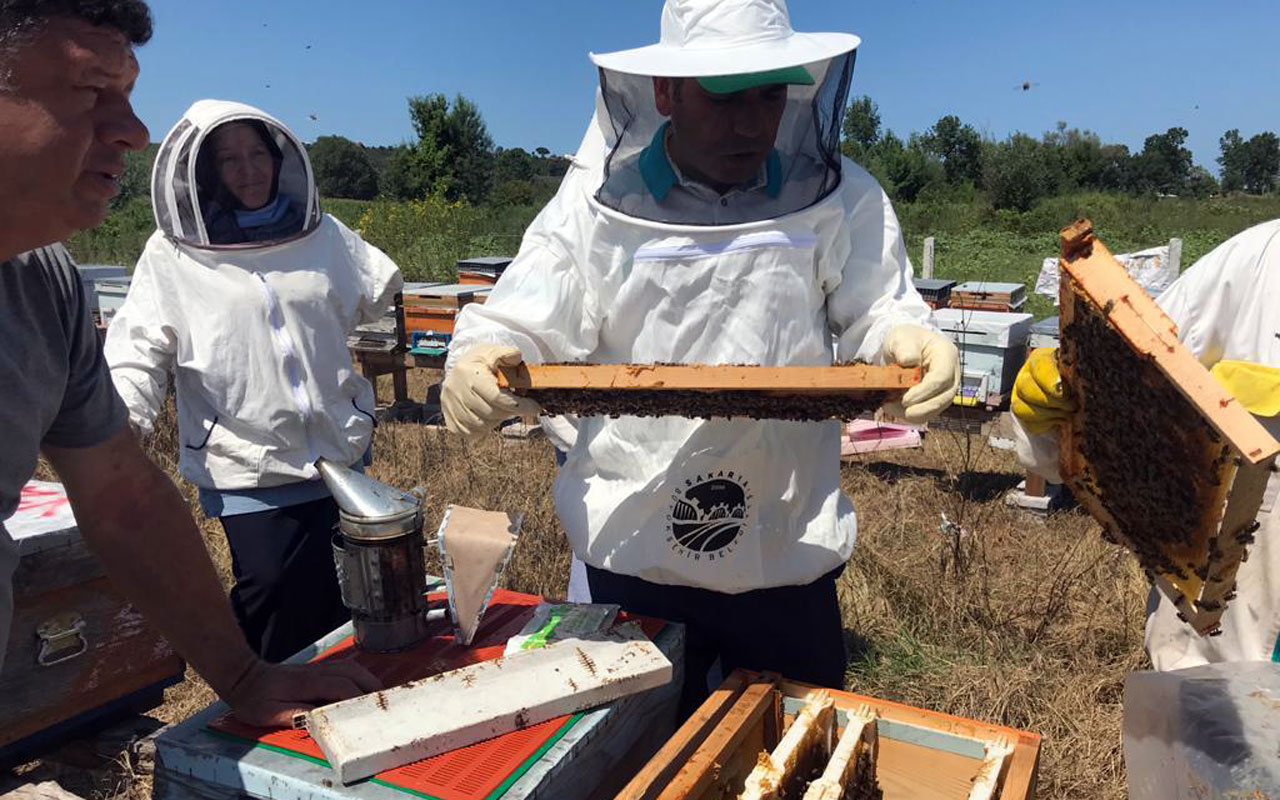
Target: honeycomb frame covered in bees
[
  {"x": 709, "y": 391},
  {"x": 1170, "y": 464}
]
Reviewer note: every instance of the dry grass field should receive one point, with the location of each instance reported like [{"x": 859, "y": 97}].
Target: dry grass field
[{"x": 996, "y": 615}]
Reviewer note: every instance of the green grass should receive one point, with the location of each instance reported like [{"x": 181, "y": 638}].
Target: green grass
[{"x": 972, "y": 241}]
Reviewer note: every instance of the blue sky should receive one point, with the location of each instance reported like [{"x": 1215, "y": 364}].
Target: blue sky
[{"x": 1124, "y": 68}]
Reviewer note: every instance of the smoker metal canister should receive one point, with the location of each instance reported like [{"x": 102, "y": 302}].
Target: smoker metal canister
[{"x": 378, "y": 552}]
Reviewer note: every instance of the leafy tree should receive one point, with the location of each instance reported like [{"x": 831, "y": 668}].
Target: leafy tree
[
  {"x": 903, "y": 169},
  {"x": 1079, "y": 158},
  {"x": 1201, "y": 184},
  {"x": 343, "y": 169},
  {"x": 861, "y": 128},
  {"x": 1116, "y": 172},
  {"x": 471, "y": 151},
  {"x": 514, "y": 164},
  {"x": 1262, "y": 168},
  {"x": 1251, "y": 165},
  {"x": 1016, "y": 172},
  {"x": 135, "y": 181},
  {"x": 453, "y": 154},
  {"x": 959, "y": 146},
  {"x": 1232, "y": 160},
  {"x": 1164, "y": 165}
]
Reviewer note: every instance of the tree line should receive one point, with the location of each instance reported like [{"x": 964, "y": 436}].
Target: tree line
[
  {"x": 1016, "y": 172},
  {"x": 453, "y": 156}
]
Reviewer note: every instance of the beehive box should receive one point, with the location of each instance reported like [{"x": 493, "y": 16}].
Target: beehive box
[
  {"x": 989, "y": 296},
  {"x": 91, "y": 273},
  {"x": 936, "y": 292},
  {"x": 992, "y": 350},
  {"x": 760, "y": 737},
  {"x": 708, "y": 391},
  {"x": 1044, "y": 333},
  {"x": 111, "y": 293},
  {"x": 434, "y": 309},
  {"x": 1170, "y": 464},
  {"x": 78, "y": 653},
  {"x": 482, "y": 271}
]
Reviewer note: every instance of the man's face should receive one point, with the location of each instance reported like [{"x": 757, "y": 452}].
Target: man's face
[
  {"x": 65, "y": 125},
  {"x": 720, "y": 139}
]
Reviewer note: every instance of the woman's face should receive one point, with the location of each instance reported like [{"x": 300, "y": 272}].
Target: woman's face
[{"x": 244, "y": 163}]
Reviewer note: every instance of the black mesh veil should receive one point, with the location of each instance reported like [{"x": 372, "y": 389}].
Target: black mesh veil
[{"x": 804, "y": 168}]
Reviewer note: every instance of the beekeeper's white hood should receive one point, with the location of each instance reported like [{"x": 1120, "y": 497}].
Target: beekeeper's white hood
[
  {"x": 181, "y": 196},
  {"x": 714, "y": 39}
]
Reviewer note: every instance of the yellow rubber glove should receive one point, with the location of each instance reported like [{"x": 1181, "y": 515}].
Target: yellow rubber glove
[
  {"x": 1256, "y": 387},
  {"x": 1038, "y": 401},
  {"x": 914, "y": 345},
  {"x": 470, "y": 398}
]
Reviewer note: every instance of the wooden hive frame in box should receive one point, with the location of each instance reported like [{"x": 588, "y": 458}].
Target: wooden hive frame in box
[
  {"x": 1170, "y": 464},
  {"x": 704, "y": 390},
  {"x": 760, "y": 737}
]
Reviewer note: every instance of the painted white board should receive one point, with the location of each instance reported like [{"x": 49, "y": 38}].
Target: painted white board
[{"x": 366, "y": 735}]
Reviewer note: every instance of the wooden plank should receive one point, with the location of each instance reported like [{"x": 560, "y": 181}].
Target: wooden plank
[
  {"x": 660, "y": 769},
  {"x": 740, "y": 735},
  {"x": 1020, "y": 774},
  {"x": 651, "y": 377},
  {"x": 366, "y": 735},
  {"x": 1137, "y": 317},
  {"x": 913, "y": 772}
]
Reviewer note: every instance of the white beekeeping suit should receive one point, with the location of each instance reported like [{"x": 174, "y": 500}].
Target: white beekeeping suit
[
  {"x": 254, "y": 333},
  {"x": 612, "y": 273},
  {"x": 1227, "y": 308}
]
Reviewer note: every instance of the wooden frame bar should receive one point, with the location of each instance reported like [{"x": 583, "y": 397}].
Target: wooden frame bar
[
  {"x": 859, "y": 737},
  {"x": 810, "y": 737},
  {"x": 704, "y": 377},
  {"x": 1100, "y": 279},
  {"x": 1091, "y": 275}
]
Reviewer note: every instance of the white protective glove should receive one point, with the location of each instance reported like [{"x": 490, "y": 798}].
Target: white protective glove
[
  {"x": 470, "y": 398},
  {"x": 913, "y": 345}
]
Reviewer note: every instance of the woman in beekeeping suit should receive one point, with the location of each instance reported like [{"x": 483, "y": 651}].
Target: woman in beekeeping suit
[
  {"x": 246, "y": 294},
  {"x": 1227, "y": 313},
  {"x": 713, "y": 221}
]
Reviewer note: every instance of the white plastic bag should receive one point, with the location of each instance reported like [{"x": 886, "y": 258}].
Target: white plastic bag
[
  {"x": 1203, "y": 733},
  {"x": 552, "y": 622}
]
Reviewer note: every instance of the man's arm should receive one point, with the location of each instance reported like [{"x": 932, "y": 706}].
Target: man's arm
[{"x": 139, "y": 527}]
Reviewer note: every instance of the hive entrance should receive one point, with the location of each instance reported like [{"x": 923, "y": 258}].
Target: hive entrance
[{"x": 1162, "y": 456}]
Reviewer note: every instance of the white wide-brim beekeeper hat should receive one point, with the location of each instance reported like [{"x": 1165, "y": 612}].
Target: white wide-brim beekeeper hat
[{"x": 726, "y": 37}]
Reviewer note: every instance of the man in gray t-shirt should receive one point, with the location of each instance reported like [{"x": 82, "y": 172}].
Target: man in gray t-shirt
[
  {"x": 57, "y": 390},
  {"x": 67, "y": 71}
]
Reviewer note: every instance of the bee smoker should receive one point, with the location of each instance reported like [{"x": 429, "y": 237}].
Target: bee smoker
[{"x": 378, "y": 552}]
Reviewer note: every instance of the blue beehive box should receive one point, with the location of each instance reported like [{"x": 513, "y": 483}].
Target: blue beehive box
[
  {"x": 1044, "y": 334},
  {"x": 993, "y": 347}
]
